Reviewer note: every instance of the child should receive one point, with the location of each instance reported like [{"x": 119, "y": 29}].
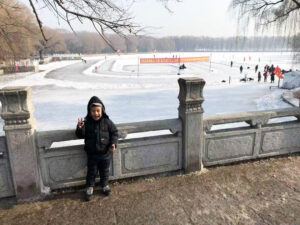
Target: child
[{"x": 100, "y": 141}]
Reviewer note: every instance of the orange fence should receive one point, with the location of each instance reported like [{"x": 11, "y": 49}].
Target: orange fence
[{"x": 174, "y": 60}]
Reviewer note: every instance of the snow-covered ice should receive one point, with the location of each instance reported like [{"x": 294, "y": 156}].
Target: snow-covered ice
[{"x": 138, "y": 92}]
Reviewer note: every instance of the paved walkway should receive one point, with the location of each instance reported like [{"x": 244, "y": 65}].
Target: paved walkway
[{"x": 260, "y": 192}]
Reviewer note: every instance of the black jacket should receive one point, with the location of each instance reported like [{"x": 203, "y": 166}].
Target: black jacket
[{"x": 98, "y": 135}]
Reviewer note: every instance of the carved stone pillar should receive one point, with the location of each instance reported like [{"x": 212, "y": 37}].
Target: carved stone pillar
[
  {"x": 19, "y": 132},
  {"x": 191, "y": 114}
]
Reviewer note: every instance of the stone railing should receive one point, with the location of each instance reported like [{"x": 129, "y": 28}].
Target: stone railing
[
  {"x": 33, "y": 163},
  {"x": 261, "y": 138},
  {"x": 43, "y": 161},
  {"x": 65, "y": 166}
]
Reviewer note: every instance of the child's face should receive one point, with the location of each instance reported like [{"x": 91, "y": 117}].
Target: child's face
[{"x": 96, "y": 112}]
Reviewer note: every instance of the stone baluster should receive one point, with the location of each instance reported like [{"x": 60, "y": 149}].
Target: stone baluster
[
  {"x": 19, "y": 132},
  {"x": 191, "y": 114}
]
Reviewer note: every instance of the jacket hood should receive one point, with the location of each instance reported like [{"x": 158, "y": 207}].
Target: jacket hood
[{"x": 93, "y": 100}]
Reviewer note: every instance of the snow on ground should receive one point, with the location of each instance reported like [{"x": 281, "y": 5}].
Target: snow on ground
[
  {"x": 32, "y": 79},
  {"x": 134, "y": 92}
]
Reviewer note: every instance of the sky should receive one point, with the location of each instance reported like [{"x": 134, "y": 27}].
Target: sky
[{"x": 188, "y": 17}]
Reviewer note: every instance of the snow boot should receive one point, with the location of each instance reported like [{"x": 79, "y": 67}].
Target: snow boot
[
  {"x": 89, "y": 193},
  {"x": 106, "y": 190}
]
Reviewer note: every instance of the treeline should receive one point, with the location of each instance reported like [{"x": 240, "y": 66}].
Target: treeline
[
  {"x": 90, "y": 43},
  {"x": 20, "y": 38}
]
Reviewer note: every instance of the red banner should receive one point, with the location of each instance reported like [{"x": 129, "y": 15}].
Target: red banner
[{"x": 174, "y": 60}]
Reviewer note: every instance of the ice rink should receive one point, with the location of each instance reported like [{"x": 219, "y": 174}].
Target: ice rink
[{"x": 137, "y": 92}]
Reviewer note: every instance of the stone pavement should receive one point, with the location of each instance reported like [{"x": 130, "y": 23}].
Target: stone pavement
[{"x": 257, "y": 192}]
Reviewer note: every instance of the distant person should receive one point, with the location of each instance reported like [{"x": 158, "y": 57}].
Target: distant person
[
  {"x": 265, "y": 76},
  {"x": 231, "y": 63},
  {"x": 182, "y": 67},
  {"x": 271, "y": 69},
  {"x": 267, "y": 67},
  {"x": 246, "y": 78},
  {"x": 100, "y": 142},
  {"x": 259, "y": 76},
  {"x": 256, "y": 68},
  {"x": 241, "y": 69},
  {"x": 272, "y": 77}
]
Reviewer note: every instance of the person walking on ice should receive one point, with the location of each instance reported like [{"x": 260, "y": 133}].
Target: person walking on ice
[
  {"x": 241, "y": 69},
  {"x": 100, "y": 142},
  {"x": 272, "y": 77},
  {"x": 259, "y": 76},
  {"x": 265, "y": 76}
]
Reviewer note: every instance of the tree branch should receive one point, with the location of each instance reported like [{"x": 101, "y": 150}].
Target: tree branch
[{"x": 38, "y": 20}]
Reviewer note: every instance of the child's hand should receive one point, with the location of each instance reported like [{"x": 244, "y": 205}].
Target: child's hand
[
  {"x": 80, "y": 123},
  {"x": 113, "y": 148}
]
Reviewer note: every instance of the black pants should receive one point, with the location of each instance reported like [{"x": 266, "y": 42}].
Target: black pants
[{"x": 97, "y": 164}]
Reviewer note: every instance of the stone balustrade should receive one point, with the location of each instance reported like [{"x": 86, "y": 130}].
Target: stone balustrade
[{"x": 33, "y": 163}]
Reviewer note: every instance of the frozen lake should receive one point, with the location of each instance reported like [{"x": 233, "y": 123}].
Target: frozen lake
[{"x": 133, "y": 92}]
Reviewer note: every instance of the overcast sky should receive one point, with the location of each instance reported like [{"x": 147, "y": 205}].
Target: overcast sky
[{"x": 189, "y": 17}]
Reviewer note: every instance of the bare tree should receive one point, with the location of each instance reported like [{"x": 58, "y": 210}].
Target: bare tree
[
  {"x": 283, "y": 14},
  {"x": 54, "y": 44},
  {"x": 19, "y": 34},
  {"x": 105, "y": 15}
]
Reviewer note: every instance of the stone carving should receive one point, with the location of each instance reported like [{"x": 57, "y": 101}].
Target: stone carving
[
  {"x": 281, "y": 140},
  {"x": 67, "y": 168},
  {"x": 150, "y": 156},
  {"x": 229, "y": 147},
  {"x": 16, "y": 108},
  {"x": 191, "y": 94}
]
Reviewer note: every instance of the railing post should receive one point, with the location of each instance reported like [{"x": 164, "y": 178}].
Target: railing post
[
  {"x": 19, "y": 132},
  {"x": 296, "y": 94},
  {"x": 191, "y": 113}
]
